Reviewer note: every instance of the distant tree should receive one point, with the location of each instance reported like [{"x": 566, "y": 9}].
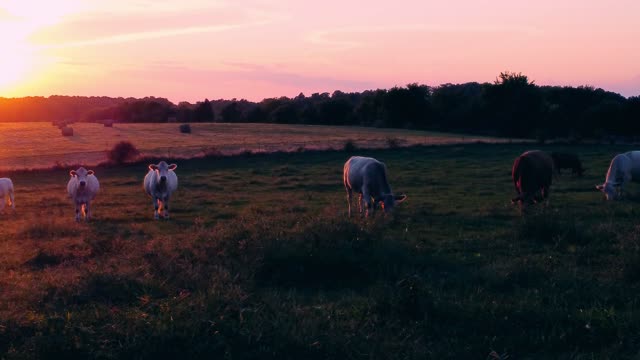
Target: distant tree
[
  {"x": 336, "y": 111},
  {"x": 257, "y": 115},
  {"x": 203, "y": 112},
  {"x": 408, "y": 107},
  {"x": 515, "y": 106},
  {"x": 231, "y": 113},
  {"x": 184, "y": 112},
  {"x": 285, "y": 113}
]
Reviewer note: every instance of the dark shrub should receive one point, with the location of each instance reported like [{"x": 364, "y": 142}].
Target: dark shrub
[
  {"x": 393, "y": 143},
  {"x": 122, "y": 152},
  {"x": 185, "y": 129},
  {"x": 350, "y": 146},
  {"x": 67, "y": 131}
]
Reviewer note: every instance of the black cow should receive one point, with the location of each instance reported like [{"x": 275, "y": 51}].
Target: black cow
[
  {"x": 562, "y": 160},
  {"x": 532, "y": 173}
]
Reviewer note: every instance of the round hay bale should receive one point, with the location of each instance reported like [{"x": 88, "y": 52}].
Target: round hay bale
[{"x": 67, "y": 131}]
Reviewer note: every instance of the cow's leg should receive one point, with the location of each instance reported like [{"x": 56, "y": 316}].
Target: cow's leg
[
  {"x": 13, "y": 204},
  {"x": 87, "y": 211},
  {"x": 349, "y": 198},
  {"x": 165, "y": 207},
  {"x": 545, "y": 195},
  {"x": 2, "y": 204},
  {"x": 78, "y": 209},
  {"x": 156, "y": 206},
  {"x": 366, "y": 203}
]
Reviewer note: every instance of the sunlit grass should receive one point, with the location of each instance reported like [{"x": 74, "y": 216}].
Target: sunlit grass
[
  {"x": 260, "y": 261},
  {"x": 41, "y": 145}
]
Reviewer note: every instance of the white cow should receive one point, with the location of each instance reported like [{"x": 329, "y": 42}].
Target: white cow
[
  {"x": 159, "y": 183},
  {"x": 624, "y": 168},
  {"x": 83, "y": 188},
  {"x": 6, "y": 193},
  {"x": 368, "y": 177}
]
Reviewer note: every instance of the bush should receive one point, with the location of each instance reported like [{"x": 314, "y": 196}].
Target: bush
[
  {"x": 393, "y": 143},
  {"x": 185, "y": 129},
  {"x": 66, "y": 131},
  {"x": 122, "y": 152},
  {"x": 350, "y": 146}
]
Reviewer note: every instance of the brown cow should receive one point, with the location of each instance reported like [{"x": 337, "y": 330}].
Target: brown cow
[
  {"x": 562, "y": 160},
  {"x": 532, "y": 173}
]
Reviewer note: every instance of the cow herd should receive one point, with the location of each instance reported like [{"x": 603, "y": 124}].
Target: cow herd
[
  {"x": 83, "y": 186},
  {"x": 532, "y": 175},
  {"x": 533, "y": 172}
]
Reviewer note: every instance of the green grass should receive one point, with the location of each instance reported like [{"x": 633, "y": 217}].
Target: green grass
[{"x": 259, "y": 260}]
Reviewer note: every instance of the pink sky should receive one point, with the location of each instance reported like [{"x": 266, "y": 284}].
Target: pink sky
[{"x": 192, "y": 49}]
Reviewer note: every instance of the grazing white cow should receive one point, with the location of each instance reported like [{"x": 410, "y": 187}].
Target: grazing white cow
[
  {"x": 368, "y": 177},
  {"x": 83, "y": 188},
  {"x": 159, "y": 183},
  {"x": 6, "y": 193},
  {"x": 623, "y": 168}
]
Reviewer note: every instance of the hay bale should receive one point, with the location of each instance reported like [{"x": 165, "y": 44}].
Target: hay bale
[{"x": 67, "y": 131}]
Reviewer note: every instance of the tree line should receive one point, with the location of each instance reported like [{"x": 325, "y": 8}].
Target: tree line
[{"x": 511, "y": 106}]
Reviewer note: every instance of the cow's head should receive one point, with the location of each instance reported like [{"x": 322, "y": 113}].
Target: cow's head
[
  {"x": 161, "y": 170},
  {"x": 81, "y": 174},
  {"x": 389, "y": 201},
  {"x": 610, "y": 191}
]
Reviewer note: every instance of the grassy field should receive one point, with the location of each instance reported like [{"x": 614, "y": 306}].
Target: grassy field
[
  {"x": 41, "y": 145},
  {"x": 259, "y": 260}
]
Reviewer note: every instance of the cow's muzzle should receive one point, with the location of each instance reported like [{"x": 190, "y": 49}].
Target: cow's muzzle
[{"x": 83, "y": 183}]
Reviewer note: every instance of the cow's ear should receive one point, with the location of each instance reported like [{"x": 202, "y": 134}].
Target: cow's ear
[
  {"x": 399, "y": 198},
  {"x": 153, "y": 167},
  {"x": 173, "y": 166},
  {"x": 600, "y": 187},
  {"x": 72, "y": 173},
  {"x": 90, "y": 172}
]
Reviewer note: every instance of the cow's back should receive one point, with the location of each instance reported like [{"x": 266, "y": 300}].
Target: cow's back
[
  {"x": 172, "y": 181},
  {"x": 6, "y": 186},
  {"x": 532, "y": 170},
  {"x": 634, "y": 164},
  {"x": 149, "y": 182},
  {"x": 358, "y": 170}
]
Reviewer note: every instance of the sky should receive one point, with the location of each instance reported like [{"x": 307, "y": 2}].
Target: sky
[{"x": 188, "y": 50}]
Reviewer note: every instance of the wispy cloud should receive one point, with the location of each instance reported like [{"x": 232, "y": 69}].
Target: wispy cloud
[
  {"x": 152, "y": 34},
  {"x": 352, "y": 37}
]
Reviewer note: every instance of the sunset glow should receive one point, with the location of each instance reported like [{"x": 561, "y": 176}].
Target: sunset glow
[{"x": 192, "y": 49}]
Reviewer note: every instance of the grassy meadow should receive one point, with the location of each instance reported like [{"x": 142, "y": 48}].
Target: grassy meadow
[
  {"x": 41, "y": 145},
  {"x": 260, "y": 261}
]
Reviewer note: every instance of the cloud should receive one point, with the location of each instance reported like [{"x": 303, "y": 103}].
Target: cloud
[
  {"x": 151, "y": 34},
  {"x": 352, "y": 37},
  {"x": 115, "y": 26}
]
